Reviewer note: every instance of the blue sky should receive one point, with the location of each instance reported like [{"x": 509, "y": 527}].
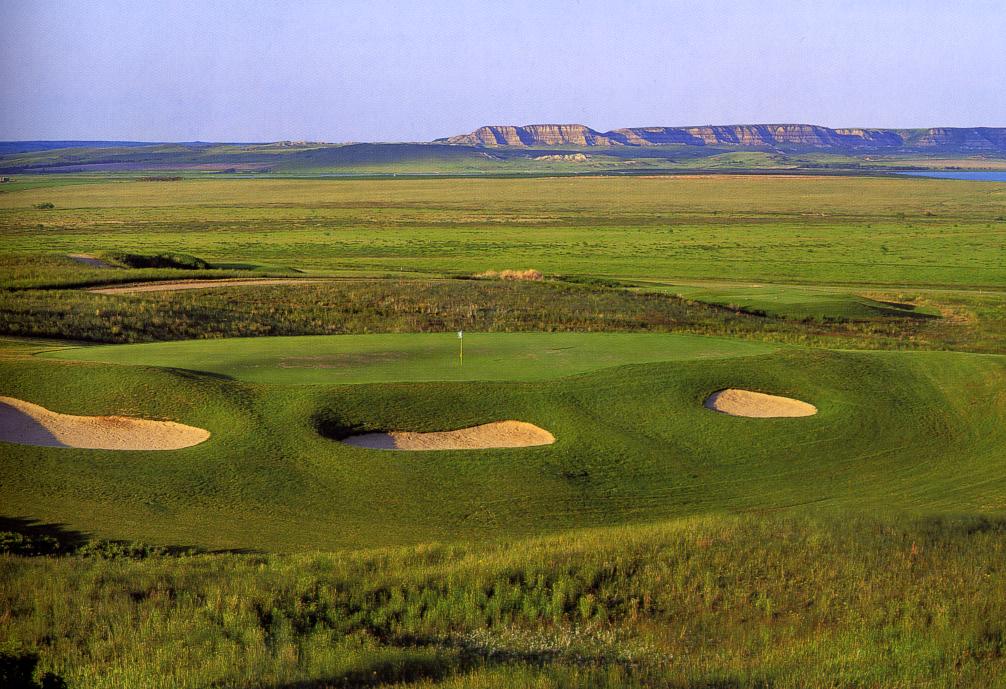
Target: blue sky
[{"x": 413, "y": 71}]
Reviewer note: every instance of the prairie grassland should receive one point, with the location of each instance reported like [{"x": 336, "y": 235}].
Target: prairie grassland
[{"x": 803, "y": 229}]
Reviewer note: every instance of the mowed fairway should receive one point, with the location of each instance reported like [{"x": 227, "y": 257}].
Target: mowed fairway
[{"x": 417, "y": 357}]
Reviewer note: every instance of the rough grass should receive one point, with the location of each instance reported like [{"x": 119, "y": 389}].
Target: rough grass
[
  {"x": 972, "y": 322},
  {"x": 741, "y": 602}
]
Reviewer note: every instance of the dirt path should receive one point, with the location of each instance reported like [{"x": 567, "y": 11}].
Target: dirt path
[
  {"x": 200, "y": 284},
  {"x": 490, "y": 435},
  {"x": 30, "y": 424}
]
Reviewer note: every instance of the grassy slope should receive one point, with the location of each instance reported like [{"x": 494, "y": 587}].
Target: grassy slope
[
  {"x": 710, "y": 603},
  {"x": 847, "y": 230},
  {"x": 914, "y": 431}
]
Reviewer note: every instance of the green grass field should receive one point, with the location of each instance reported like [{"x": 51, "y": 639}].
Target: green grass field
[
  {"x": 803, "y": 229},
  {"x": 656, "y": 543}
]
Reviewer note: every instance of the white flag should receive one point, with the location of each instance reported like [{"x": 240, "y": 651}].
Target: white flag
[{"x": 460, "y": 334}]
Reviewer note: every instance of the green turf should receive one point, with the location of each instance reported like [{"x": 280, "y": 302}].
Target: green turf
[
  {"x": 796, "y": 301},
  {"x": 341, "y": 359}
]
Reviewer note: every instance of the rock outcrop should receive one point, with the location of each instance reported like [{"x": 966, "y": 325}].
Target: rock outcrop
[
  {"x": 762, "y": 136},
  {"x": 533, "y": 135}
]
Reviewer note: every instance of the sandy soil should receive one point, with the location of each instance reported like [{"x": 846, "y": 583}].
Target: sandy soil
[
  {"x": 92, "y": 261},
  {"x": 757, "y": 405},
  {"x": 489, "y": 435},
  {"x": 197, "y": 284},
  {"x": 29, "y": 424}
]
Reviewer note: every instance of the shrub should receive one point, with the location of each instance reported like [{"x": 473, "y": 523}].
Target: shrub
[{"x": 166, "y": 260}]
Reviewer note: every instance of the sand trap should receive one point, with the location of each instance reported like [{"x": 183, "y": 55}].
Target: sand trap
[
  {"x": 29, "y": 424},
  {"x": 92, "y": 261},
  {"x": 198, "y": 284},
  {"x": 757, "y": 405},
  {"x": 489, "y": 435}
]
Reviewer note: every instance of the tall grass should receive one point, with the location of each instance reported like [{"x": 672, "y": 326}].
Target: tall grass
[{"x": 765, "y": 601}]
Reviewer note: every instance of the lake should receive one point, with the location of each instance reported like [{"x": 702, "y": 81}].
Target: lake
[{"x": 972, "y": 175}]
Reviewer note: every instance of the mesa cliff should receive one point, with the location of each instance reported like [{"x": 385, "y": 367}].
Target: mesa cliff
[{"x": 992, "y": 139}]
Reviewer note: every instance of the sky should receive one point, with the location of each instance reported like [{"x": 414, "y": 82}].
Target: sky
[{"x": 374, "y": 70}]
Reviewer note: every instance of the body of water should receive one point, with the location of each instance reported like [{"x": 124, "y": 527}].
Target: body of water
[{"x": 973, "y": 175}]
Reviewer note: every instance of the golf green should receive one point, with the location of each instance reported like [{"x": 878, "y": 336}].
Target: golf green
[{"x": 341, "y": 359}]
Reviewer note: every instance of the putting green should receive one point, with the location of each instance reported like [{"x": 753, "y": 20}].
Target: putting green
[{"x": 427, "y": 357}]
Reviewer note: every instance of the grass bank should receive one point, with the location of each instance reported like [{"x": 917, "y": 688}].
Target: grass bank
[{"x": 740, "y": 602}]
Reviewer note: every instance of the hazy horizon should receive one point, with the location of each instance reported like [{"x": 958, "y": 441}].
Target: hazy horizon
[{"x": 384, "y": 71}]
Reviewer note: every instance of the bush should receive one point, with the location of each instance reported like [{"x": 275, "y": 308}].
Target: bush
[{"x": 44, "y": 206}]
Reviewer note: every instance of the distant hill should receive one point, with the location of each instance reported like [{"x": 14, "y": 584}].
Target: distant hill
[
  {"x": 283, "y": 156},
  {"x": 541, "y": 149},
  {"x": 8, "y": 147},
  {"x": 757, "y": 136}
]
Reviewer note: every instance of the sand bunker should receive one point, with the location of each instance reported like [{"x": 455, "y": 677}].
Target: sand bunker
[
  {"x": 29, "y": 424},
  {"x": 198, "y": 284},
  {"x": 757, "y": 405},
  {"x": 489, "y": 435},
  {"x": 92, "y": 261}
]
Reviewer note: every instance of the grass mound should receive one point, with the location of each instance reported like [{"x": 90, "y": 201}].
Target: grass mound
[{"x": 635, "y": 444}]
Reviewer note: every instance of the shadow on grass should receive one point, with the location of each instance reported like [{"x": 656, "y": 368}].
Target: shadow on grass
[
  {"x": 195, "y": 374},
  {"x": 383, "y": 672},
  {"x": 30, "y": 537},
  {"x": 18, "y": 671}
]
